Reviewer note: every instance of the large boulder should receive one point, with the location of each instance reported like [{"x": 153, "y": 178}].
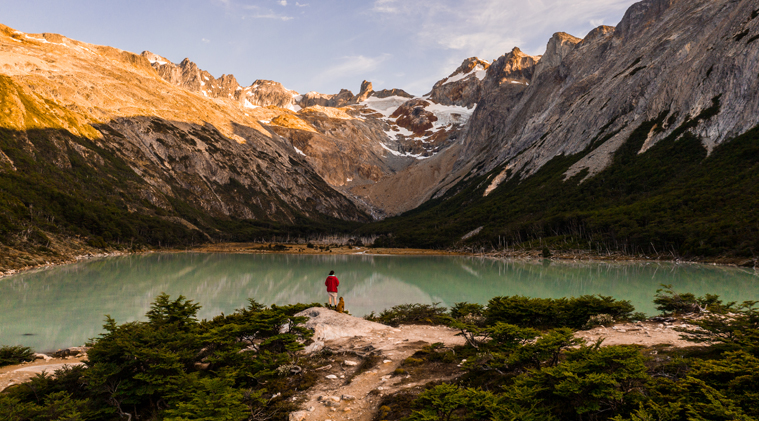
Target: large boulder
[{"x": 328, "y": 324}]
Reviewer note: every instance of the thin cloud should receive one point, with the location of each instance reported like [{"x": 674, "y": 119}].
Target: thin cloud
[
  {"x": 386, "y": 6},
  {"x": 282, "y": 2},
  {"x": 490, "y": 28},
  {"x": 301, "y": 4},
  {"x": 270, "y": 16}
]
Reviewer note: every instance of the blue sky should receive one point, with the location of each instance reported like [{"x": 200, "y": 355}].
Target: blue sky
[{"x": 318, "y": 45}]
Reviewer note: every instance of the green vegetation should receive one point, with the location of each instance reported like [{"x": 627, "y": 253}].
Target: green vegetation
[
  {"x": 418, "y": 314},
  {"x": 246, "y": 366},
  {"x": 545, "y": 313},
  {"x": 15, "y": 354},
  {"x": 671, "y": 200},
  {"x": 519, "y": 373},
  {"x": 175, "y": 367}
]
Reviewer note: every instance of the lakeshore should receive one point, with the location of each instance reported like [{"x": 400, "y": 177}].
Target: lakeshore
[{"x": 79, "y": 251}]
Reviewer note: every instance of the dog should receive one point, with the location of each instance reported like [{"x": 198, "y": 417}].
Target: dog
[{"x": 341, "y": 306}]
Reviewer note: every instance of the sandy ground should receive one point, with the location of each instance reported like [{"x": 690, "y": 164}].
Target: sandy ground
[
  {"x": 15, "y": 374},
  {"x": 640, "y": 333}
]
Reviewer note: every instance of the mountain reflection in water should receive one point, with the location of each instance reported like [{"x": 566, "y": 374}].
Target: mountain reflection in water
[{"x": 64, "y": 306}]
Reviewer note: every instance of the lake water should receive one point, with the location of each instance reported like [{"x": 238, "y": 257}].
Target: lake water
[{"x": 64, "y": 306}]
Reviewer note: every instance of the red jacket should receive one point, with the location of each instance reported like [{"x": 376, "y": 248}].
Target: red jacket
[{"x": 332, "y": 282}]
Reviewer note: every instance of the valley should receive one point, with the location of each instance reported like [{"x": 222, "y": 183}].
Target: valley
[{"x": 638, "y": 140}]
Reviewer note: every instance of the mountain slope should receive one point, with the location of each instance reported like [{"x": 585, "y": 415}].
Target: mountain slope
[
  {"x": 635, "y": 139},
  {"x": 95, "y": 144}
]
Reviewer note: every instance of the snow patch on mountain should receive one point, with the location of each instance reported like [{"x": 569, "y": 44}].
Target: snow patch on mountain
[
  {"x": 478, "y": 71},
  {"x": 384, "y": 106}
]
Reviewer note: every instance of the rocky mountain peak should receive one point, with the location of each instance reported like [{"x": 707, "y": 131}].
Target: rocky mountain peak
[
  {"x": 598, "y": 33},
  {"x": 366, "y": 91},
  {"x": 641, "y": 14},
  {"x": 155, "y": 58},
  {"x": 558, "y": 47},
  {"x": 514, "y": 67},
  {"x": 470, "y": 64},
  {"x": 463, "y": 86}
]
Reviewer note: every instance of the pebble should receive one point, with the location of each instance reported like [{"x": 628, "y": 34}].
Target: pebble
[
  {"x": 350, "y": 363},
  {"x": 348, "y": 398},
  {"x": 386, "y": 361},
  {"x": 332, "y": 377}
]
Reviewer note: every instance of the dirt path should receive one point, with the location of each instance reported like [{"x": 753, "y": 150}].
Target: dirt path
[
  {"x": 342, "y": 395},
  {"x": 334, "y": 398}
]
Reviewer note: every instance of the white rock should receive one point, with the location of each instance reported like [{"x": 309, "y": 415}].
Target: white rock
[
  {"x": 350, "y": 363},
  {"x": 314, "y": 347},
  {"x": 331, "y": 377},
  {"x": 298, "y": 416},
  {"x": 328, "y": 324},
  {"x": 386, "y": 361}
]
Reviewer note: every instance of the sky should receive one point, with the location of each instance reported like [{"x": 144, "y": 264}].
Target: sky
[{"x": 318, "y": 45}]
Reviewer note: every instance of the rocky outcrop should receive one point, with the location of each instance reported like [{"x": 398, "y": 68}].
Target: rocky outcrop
[
  {"x": 366, "y": 92},
  {"x": 558, "y": 47},
  {"x": 413, "y": 116},
  {"x": 386, "y": 93},
  {"x": 463, "y": 87},
  {"x": 264, "y": 93},
  {"x": 329, "y": 325}
]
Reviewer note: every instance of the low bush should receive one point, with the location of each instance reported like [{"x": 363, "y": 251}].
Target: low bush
[
  {"x": 16, "y": 354},
  {"x": 423, "y": 314},
  {"x": 670, "y": 302},
  {"x": 546, "y": 313}
]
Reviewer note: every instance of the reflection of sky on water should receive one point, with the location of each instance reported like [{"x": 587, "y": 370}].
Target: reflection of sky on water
[{"x": 65, "y": 306}]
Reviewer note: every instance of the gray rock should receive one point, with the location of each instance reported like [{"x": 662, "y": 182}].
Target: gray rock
[{"x": 665, "y": 57}]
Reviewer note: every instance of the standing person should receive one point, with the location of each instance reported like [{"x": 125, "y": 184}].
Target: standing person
[{"x": 332, "y": 282}]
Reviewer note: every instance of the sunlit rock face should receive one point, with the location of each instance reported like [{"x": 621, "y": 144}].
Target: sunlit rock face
[{"x": 666, "y": 59}]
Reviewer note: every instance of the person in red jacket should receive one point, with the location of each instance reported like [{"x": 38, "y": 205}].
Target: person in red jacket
[{"x": 332, "y": 282}]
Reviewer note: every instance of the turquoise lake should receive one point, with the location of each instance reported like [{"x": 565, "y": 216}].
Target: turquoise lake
[{"x": 65, "y": 306}]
